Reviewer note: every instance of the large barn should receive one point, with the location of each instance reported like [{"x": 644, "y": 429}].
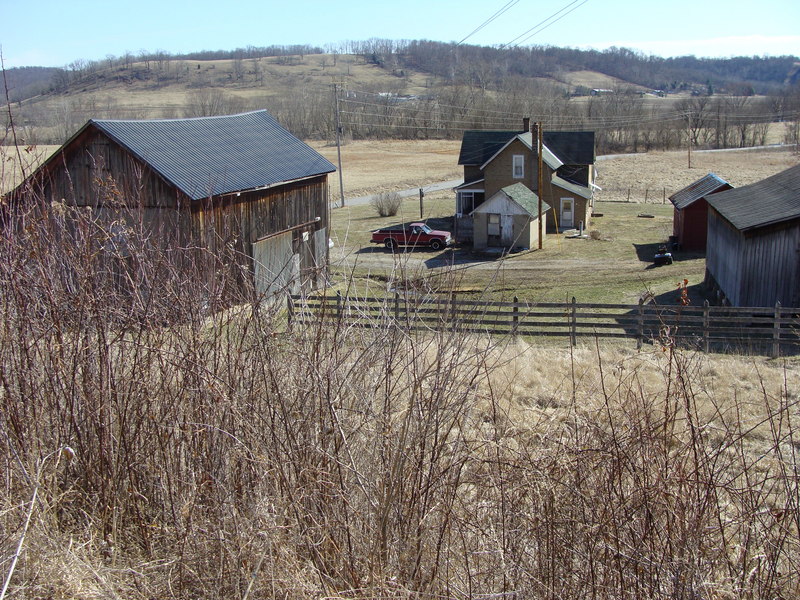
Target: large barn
[
  {"x": 240, "y": 183},
  {"x": 753, "y": 249}
]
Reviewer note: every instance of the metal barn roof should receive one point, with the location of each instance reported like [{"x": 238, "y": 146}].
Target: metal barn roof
[
  {"x": 766, "y": 202},
  {"x": 208, "y": 156},
  {"x": 709, "y": 184}
]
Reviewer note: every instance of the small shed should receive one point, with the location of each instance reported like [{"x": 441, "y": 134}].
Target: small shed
[
  {"x": 753, "y": 251},
  {"x": 509, "y": 219},
  {"x": 690, "y": 217}
]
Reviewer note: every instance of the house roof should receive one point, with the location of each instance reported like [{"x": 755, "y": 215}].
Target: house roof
[
  {"x": 217, "y": 155},
  {"x": 478, "y": 146},
  {"x": 570, "y": 147},
  {"x": 709, "y": 184},
  {"x": 772, "y": 200},
  {"x": 520, "y": 194}
]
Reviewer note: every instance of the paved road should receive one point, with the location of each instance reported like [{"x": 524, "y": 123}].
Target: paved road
[{"x": 433, "y": 187}]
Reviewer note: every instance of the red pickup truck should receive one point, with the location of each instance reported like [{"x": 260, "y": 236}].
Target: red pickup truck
[{"x": 413, "y": 234}]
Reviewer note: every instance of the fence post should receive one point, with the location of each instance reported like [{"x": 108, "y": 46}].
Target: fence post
[
  {"x": 776, "y": 332},
  {"x": 289, "y": 310},
  {"x": 515, "y": 318},
  {"x": 706, "y": 326},
  {"x": 640, "y": 332},
  {"x": 396, "y": 308},
  {"x": 573, "y": 334},
  {"x": 339, "y": 311},
  {"x": 646, "y": 193}
]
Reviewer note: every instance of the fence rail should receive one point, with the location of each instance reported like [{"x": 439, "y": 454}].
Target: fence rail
[{"x": 770, "y": 330}]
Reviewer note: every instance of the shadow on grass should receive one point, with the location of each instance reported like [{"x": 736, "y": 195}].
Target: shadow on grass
[{"x": 647, "y": 253}]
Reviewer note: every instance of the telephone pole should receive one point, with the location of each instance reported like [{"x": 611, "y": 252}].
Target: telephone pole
[
  {"x": 339, "y": 141},
  {"x": 539, "y": 182}
]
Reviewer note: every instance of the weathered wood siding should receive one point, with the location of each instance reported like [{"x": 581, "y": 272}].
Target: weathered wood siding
[
  {"x": 757, "y": 268},
  {"x": 123, "y": 191}
]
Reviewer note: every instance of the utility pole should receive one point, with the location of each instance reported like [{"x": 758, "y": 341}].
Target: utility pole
[
  {"x": 539, "y": 183},
  {"x": 339, "y": 141}
]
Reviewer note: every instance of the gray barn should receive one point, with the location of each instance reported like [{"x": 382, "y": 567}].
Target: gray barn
[{"x": 753, "y": 250}]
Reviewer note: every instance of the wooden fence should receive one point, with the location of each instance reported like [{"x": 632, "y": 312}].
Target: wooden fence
[{"x": 771, "y": 331}]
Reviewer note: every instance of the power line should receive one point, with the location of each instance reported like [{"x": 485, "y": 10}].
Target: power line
[
  {"x": 504, "y": 9},
  {"x": 552, "y": 22}
]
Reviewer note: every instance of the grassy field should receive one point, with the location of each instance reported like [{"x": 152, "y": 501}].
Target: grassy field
[{"x": 614, "y": 265}]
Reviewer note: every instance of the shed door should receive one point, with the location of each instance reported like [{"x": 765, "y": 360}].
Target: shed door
[
  {"x": 276, "y": 268},
  {"x": 567, "y": 212},
  {"x": 507, "y": 230}
]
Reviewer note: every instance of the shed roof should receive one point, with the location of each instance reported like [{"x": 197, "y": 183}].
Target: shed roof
[
  {"x": 218, "y": 155},
  {"x": 524, "y": 197},
  {"x": 772, "y": 200},
  {"x": 709, "y": 184}
]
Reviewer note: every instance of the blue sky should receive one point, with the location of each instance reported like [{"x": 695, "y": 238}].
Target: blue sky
[{"x": 49, "y": 33}]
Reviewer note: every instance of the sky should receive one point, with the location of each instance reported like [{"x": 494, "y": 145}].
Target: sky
[{"x": 54, "y": 34}]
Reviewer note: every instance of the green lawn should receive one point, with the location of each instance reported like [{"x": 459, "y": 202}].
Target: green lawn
[{"x": 616, "y": 267}]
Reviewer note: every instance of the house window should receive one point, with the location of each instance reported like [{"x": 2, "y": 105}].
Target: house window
[{"x": 519, "y": 166}]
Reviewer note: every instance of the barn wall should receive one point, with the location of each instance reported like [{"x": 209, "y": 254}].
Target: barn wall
[
  {"x": 758, "y": 268},
  {"x": 770, "y": 267},
  {"x": 693, "y": 235},
  {"x": 95, "y": 171},
  {"x": 723, "y": 257},
  {"x": 240, "y": 221}
]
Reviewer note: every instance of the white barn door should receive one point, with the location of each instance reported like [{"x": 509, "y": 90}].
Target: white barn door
[{"x": 276, "y": 268}]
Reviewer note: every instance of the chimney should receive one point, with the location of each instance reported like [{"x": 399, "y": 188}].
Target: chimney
[{"x": 526, "y": 123}]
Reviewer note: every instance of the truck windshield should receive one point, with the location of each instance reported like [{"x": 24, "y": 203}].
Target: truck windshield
[{"x": 425, "y": 229}]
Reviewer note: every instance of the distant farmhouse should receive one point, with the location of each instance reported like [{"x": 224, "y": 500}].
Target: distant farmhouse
[
  {"x": 690, "y": 217},
  {"x": 495, "y": 160},
  {"x": 239, "y": 182},
  {"x": 753, "y": 250}
]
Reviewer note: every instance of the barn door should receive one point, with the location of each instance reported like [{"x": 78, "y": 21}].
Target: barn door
[
  {"x": 321, "y": 256},
  {"x": 277, "y": 269}
]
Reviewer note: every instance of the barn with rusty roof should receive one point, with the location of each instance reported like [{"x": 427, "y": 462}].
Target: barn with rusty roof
[
  {"x": 240, "y": 183},
  {"x": 753, "y": 249}
]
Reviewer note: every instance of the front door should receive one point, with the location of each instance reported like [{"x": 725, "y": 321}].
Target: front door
[{"x": 567, "y": 212}]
